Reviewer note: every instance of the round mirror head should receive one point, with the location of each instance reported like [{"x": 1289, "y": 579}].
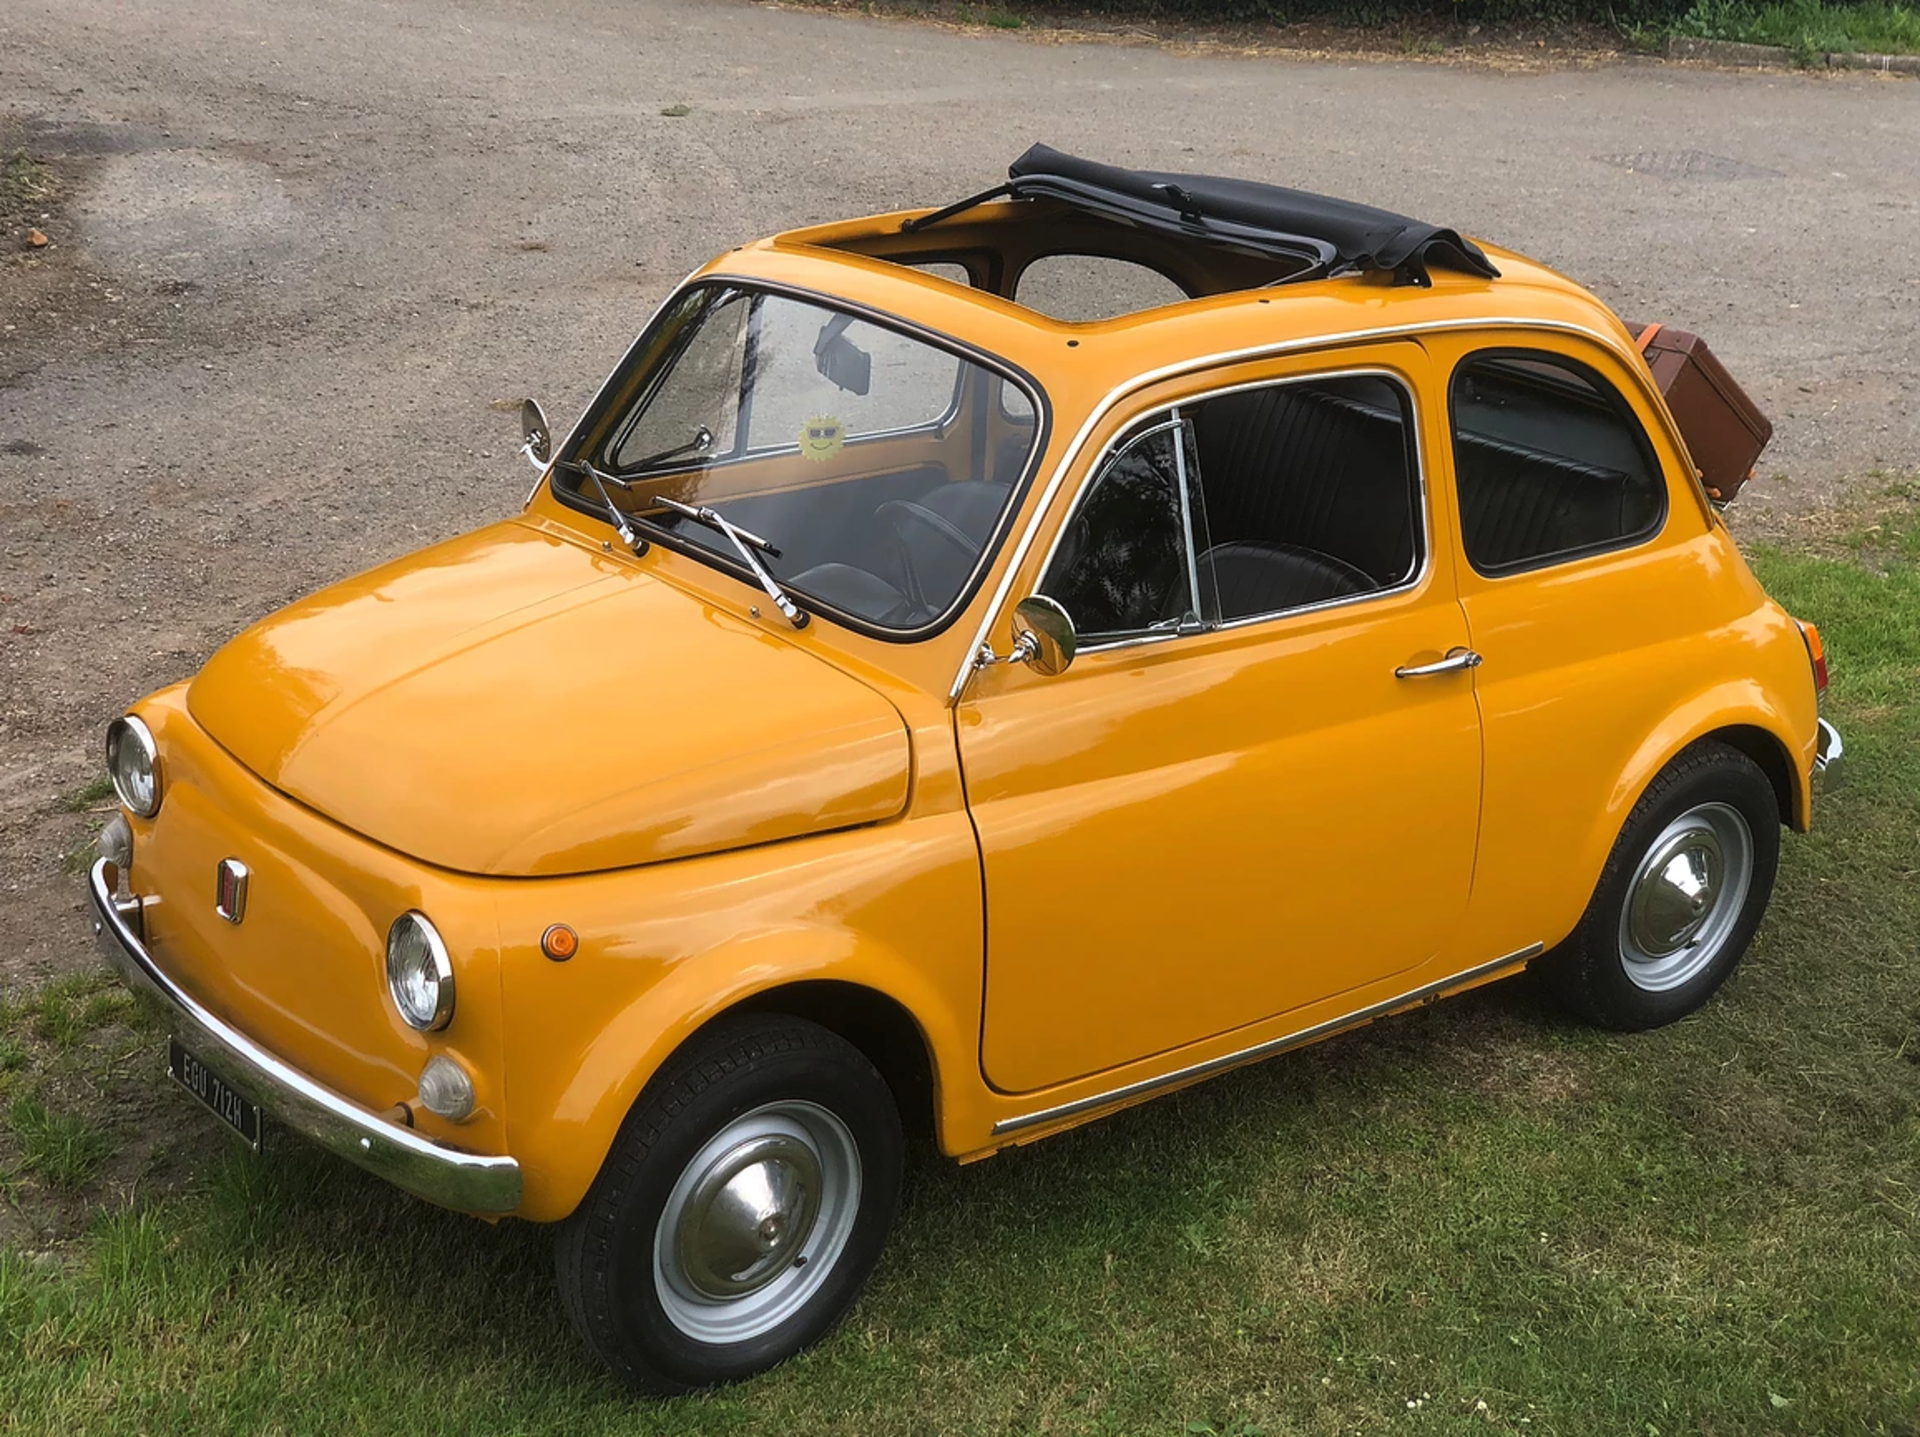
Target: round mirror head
[
  {"x": 1046, "y": 634},
  {"x": 533, "y": 427}
]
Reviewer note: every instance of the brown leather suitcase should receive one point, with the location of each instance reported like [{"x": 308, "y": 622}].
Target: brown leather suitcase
[{"x": 1725, "y": 431}]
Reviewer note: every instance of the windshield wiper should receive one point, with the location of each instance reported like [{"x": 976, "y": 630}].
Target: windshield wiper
[
  {"x": 746, "y": 543},
  {"x": 702, "y": 441},
  {"x": 615, "y": 514}
]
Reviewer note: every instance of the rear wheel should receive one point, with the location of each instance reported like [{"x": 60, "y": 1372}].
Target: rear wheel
[
  {"x": 1680, "y": 897},
  {"x": 741, "y": 1210}
]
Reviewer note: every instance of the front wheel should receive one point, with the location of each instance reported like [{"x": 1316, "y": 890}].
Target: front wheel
[
  {"x": 741, "y": 1210},
  {"x": 1681, "y": 895}
]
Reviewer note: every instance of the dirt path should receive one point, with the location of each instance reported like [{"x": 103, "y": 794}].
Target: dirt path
[{"x": 297, "y": 251}]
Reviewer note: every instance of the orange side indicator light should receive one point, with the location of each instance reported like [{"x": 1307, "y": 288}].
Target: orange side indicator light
[{"x": 559, "y": 943}]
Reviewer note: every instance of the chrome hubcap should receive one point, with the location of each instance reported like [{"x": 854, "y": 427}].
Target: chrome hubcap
[
  {"x": 1686, "y": 897},
  {"x": 756, "y": 1221}
]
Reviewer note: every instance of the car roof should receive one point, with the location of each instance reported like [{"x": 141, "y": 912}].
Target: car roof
[{"x": 871, "y": 263}]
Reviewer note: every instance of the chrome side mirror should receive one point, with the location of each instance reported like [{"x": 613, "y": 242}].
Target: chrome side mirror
[
  {"x": 1046, "y": 640},
  {"x": 1043, "y": 638},
  {"x": 538, "y": 435}
]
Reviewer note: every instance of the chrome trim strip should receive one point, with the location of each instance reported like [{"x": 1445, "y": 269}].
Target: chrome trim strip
[
  {"x": 1272, "y": 1047},
  {"x": 468, "y": 1182},
  {"x": 1829, "y": 759},
  {"x": 633, "y": 347},
  {"x": 1232, "y": 356}
]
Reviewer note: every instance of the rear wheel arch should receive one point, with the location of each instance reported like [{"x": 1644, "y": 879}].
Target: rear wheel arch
[{"x": 1771, "y": 755}]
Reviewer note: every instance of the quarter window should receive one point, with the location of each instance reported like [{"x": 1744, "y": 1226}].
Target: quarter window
[
  {"x": 1550, "y": 462},
  {"x": 1121, "y": 569}
]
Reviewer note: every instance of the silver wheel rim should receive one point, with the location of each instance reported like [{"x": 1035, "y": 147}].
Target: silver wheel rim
[
  {"x": 1686, "y": 896},
  {"x": 756, "y": 1222}
]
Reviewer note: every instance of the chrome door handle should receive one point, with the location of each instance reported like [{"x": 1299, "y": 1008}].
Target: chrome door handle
[{"x": 1456, "y": 661}]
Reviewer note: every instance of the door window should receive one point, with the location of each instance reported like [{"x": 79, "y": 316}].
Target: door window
[
  {"x": 1311, "y": 492},
  {"x": 1122, "y": 567},
  {"x": 1245, "y": 505},
  {"x": 1550, "y": 462}
]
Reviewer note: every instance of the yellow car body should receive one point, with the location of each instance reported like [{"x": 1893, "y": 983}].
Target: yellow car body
[{"x": 1033, "y": 898}]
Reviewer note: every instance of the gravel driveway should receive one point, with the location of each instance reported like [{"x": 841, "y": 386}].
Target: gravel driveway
[{"x": 307, "y": 250}]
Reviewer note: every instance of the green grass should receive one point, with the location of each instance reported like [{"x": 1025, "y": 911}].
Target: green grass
[
  {"x": 1807, "y": 27},
  {"x": 64, "y": 1150},
  {"x": 1477, "y": 1218},
  {"x": 88, "y": 795}
]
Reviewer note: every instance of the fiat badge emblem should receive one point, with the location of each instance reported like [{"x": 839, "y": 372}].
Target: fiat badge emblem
[{"x": 230, "y": 890}]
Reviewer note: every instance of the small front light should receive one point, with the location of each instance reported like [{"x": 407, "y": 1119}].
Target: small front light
[
  {"x": 133, "y": 763},
  {"x": 419, "y": 973},
  {"x": 446, "y": 1089}
]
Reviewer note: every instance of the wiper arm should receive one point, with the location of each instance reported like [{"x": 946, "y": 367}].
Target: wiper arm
[
  {"x": 702, "y": 440},
  {"x": 615, "y": 513},
  {"x": 746, "y": 543}
]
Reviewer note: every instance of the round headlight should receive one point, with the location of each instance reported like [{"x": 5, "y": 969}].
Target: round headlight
[
  {"x": 133, "y": 762},
  {"x": 419, "y": 974}
]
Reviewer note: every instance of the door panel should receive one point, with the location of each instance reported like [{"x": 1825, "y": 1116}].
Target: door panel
[{"x": 1196, "y": 832}]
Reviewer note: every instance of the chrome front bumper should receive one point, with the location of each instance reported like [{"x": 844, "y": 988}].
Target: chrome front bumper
[
  {"x": 468, "y": 1182},
  {"x": 1829, "y": 759}
]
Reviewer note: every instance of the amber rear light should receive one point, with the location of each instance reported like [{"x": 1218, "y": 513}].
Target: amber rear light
[{"x": 1817, "y": 656}]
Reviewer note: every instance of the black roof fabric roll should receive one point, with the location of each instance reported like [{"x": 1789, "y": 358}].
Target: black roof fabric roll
[{"x": 1329, "y": 235}]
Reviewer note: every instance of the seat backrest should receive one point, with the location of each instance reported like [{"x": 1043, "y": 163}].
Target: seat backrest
[
  {"x": 1296, "y": 465},
  {"x": 1519, "y": 503}
]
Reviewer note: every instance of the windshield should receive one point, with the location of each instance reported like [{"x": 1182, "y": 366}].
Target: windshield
[{"x": 876, "y": 466}]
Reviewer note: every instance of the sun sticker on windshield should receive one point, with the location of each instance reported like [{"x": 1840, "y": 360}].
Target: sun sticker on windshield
[{"x": 821, "y": 438}]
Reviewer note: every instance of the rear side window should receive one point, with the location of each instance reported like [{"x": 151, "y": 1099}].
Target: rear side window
[{"x": 1550, "y": 461}]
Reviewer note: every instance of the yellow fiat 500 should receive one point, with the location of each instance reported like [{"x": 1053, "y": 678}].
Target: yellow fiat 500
[{"x": 898, "y": 706}]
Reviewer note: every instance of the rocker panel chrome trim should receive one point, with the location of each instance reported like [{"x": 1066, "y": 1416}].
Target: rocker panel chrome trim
[{"x": 1271, "y": 1048}]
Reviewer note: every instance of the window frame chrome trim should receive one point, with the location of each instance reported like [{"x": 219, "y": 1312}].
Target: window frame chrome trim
[
  {"x": 1272, "y": 1047},
  {"x": 1423, "y": 493},
  {"x": 997, "y": 604}
]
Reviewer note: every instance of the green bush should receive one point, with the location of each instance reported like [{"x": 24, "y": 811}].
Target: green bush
[
  {"x": 1809, "y": 24},
  {"x": 1616, "y": 14}
]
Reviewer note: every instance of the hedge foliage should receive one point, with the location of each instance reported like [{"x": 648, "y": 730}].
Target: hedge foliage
[{"x": 1617, "y": 14}]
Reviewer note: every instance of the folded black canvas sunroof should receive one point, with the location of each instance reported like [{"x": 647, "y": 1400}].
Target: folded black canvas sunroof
[{"x": 1325, "y": 236}]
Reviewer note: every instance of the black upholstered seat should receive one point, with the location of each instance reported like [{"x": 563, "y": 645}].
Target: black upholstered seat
[
  {"x": 1255, "y": 578},
  {"x": 1518, "y": 503},
  {"x": 1312, "y": 470}
]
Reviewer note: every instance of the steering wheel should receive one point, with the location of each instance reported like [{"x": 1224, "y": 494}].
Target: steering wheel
[{"x": 907, "y": 517}]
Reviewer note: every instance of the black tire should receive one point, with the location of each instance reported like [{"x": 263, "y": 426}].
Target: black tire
[
  {"x": 623, "y": 1304},
  {"x": 1593, "y": 973}
]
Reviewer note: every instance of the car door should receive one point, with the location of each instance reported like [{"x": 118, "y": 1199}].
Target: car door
[{"x": 1230, "y": 805}]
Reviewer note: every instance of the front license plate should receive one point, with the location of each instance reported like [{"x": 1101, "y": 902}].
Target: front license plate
[{"x": 206, "y": 1085}]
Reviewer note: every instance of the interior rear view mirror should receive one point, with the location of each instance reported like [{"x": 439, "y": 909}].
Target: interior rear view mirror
[{"x": 843, "y": 362}]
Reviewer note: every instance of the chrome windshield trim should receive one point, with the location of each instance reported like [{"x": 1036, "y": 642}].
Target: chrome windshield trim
[
  {"x": 468, "y": 1182},
  {"x": 618, "y": 365},
  {"x": 1271, "y": 1048},
  {"x": 965, "y": 350},
  {"x": 1240, "y": 356}
]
